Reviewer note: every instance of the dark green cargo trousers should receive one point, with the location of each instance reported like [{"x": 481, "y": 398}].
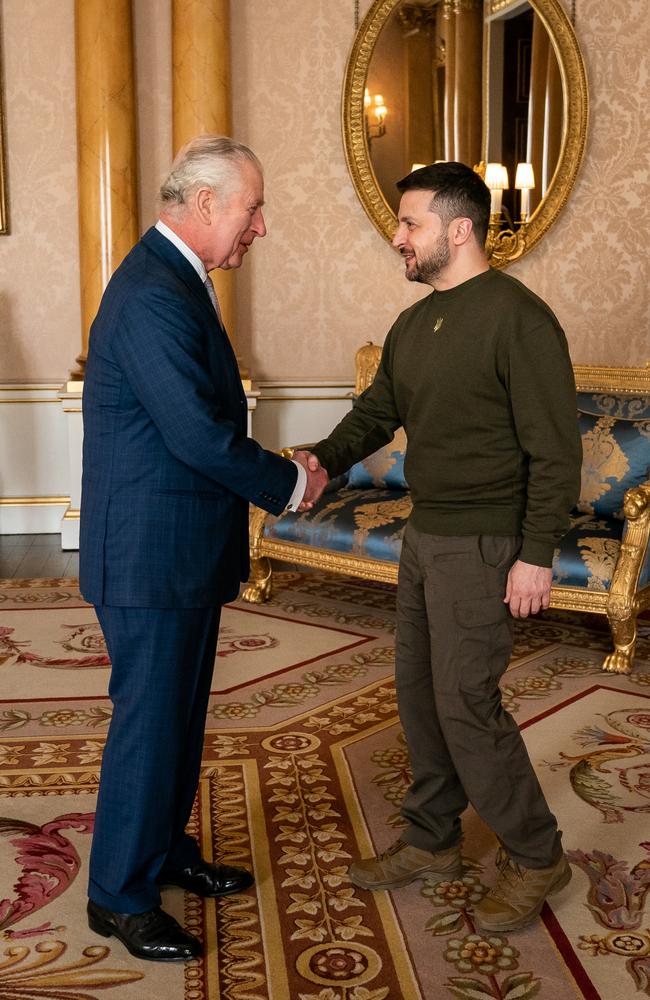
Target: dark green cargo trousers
[{"x": 453, "y": 643}]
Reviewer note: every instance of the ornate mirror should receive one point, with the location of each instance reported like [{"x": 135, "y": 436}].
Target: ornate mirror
[{"x": 497, "y": 84}]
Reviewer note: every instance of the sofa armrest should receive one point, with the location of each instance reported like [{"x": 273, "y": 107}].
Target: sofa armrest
[{"x": 636, "y": 504}]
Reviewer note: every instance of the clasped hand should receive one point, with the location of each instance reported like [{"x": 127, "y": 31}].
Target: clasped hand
[{"x": 317, "y": 478}]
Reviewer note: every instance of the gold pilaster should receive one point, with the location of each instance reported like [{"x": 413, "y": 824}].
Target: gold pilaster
[
  {"x": 450, "y": 85},
  {"x": 106, "y": 148},
  {"x": 201, "y": 94},
  {"x": 467, "y": 88}
]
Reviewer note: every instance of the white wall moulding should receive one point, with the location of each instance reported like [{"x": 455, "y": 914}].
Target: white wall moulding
[
  {"x": 34, "y": 477},
  {"x": 41, "y": 445},
  {"x": 32, "y": 515},
  {"x": 70, "y": 399},
  {"x": 299, "y": 412}
]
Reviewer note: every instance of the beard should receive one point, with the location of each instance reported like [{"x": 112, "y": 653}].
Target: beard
[{"x": 430, "y": 267}]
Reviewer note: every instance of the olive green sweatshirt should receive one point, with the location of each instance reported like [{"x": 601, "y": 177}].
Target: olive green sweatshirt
[{"x": 480, "y": 378}]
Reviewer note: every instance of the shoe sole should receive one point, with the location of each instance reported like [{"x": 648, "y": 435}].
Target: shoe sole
[
  {"x": 516, "y": 925},
  {"x": 407, "y": 879},
  {"x": 105, "y": 930}
]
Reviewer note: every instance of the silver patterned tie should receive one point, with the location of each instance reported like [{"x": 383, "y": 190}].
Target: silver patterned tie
[{"x": 209, "y": 287}]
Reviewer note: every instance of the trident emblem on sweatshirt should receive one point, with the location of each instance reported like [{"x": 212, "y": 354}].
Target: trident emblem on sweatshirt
[{"x": 439, "y": 323}]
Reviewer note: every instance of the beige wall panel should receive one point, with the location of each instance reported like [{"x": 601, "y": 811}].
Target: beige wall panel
[
  {"x": 40, "y": 324},
  {"x": 593, "y": 267},
  {"x": 324, "y": 280}
]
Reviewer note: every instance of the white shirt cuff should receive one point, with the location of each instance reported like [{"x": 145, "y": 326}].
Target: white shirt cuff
[{"x": 299, "y": 491}]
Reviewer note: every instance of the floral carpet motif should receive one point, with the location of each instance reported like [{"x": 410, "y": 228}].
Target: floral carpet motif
[{"x": 304, "y": 769}]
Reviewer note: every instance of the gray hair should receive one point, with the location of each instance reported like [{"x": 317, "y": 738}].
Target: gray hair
[{"x": 212, "y": 161}]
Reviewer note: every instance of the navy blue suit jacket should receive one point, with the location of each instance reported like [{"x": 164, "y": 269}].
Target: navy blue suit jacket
[{"x": 167, "y": 467}]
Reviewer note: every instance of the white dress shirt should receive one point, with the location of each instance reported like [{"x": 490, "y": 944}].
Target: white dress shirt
[{"x": 199, "y": 267}]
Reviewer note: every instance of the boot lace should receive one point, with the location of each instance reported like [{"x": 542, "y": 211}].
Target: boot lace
[{"x": 510, "y": 876}]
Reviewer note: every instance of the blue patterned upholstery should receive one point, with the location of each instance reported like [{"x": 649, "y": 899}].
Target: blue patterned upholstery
[
  {"x": 367, "y": 517},
  {"x": 365, "y": 523},
  {"x": 614, "y": 405},
  {"x": 384, "y": 469},
  {"x": 588, "y": 552},
  {"x": 615, "y": 433}
]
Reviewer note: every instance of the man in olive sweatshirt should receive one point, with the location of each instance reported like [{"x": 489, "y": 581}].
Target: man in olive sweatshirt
[{"x": 478, "y": 374}]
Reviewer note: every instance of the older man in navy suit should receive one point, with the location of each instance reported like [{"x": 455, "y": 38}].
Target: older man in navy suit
[{"x": 168, "y": 471}]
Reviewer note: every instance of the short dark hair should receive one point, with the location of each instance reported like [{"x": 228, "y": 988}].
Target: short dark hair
[{"x": 458, "y": 192}]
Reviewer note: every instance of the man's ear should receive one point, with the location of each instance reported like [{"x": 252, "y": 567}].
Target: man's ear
[
  {"x": 461, "y": 231},
  {"x": 204, "y": 199}
]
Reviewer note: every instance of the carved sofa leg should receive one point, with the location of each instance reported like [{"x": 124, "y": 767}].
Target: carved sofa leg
[
  {"x": 258, "y": 589},
  {"x": 622, "y": 605},
  {"x": 623, "y": 626}
]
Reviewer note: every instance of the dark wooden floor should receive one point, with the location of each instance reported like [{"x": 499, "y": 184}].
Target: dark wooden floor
[{"x": 32, "y": 557}]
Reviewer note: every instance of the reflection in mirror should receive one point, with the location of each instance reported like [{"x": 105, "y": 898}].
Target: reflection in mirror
[
  {"x": 524, "y": 101},
  {"x": 433, "y": 84},
  {"x": 486, "y": 82},
  {"x": 428, "y": 66}
]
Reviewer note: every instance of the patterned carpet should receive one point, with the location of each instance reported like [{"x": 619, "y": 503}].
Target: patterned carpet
[{"x": 304, "y": 769}]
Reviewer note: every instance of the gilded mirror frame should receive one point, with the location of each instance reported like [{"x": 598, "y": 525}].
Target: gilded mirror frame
[{"x": 574, "y": 85}]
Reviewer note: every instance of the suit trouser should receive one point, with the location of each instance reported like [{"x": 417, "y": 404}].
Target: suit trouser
[
  {"x": 453, "y": 643},
  {"x": 162, "y": 666}
]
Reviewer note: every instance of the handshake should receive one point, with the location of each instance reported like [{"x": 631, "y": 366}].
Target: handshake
[{"x": 317, "y": 478}]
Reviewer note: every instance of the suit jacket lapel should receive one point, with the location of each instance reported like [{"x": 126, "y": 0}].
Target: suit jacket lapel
[
  {"x": 174, "y": 259},
  {"x": 166, "y": 250}
]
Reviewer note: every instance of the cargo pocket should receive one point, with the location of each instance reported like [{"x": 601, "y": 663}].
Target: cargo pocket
[
  {"x": 484, "y": 642},
  {"x": 499, "y": 551}
]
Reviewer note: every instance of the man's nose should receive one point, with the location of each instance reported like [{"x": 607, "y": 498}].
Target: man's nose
[
  {"x": 259, "y": 225},
  {"x": 398, "y": 238}
]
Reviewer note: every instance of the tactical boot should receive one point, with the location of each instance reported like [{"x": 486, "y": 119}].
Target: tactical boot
[
  {"x": 402, "y": 864},
  {"x": 519, "y": 893}
]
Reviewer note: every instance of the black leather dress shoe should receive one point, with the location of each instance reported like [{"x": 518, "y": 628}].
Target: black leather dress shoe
[
  {"x": 206, "y": 879},
  {"x": 153, "y": 935}
]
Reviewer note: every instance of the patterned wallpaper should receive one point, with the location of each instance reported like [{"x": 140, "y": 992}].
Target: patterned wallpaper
[
  {"x": 323, "y": 281},
  {"x": 39, "y": 260},
  {"x": 593, "y": 267}
]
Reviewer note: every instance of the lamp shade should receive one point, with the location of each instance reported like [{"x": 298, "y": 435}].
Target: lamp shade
[
  {"x": 494, "y": 176},
  {"x": 525, "y": 178}
]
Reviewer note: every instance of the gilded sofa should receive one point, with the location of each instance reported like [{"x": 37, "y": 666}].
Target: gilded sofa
[{"x": 602, "y": 564}]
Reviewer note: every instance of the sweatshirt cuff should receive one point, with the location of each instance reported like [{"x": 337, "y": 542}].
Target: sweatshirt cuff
[{"x": 537, "y": 553}]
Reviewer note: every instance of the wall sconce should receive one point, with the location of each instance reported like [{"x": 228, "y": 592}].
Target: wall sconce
[
  {"x": 507, "y": 244},
  {"x": 525, "y": 182},
  {"x": 376, "y": 129},
  {"x": 496, "y": 178}
]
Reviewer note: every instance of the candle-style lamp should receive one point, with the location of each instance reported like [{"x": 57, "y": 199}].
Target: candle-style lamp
[
  {"x": 506, "y": 243},
  {"x": 496, "y": 178},
  {"x": 525, "y": 182},
  {"x": 376, "y": 129}
]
